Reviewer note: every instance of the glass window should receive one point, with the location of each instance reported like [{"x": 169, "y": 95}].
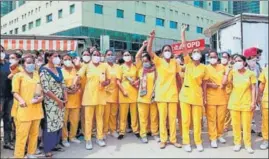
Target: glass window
[
  {"x": 216, "y": 5},
  {"x": 72, "y": 9},
  {"x": 11, "y": 32},
  {"x": 60, "y": 14},
  {"x": 49, "y": 18},
  {"x": 98, "y": 9},
  {"x": 198, "y": 4},
  {"x": 16, "y": 30},
  {"x": 159, "y": 22},
  {"x": 21, "y": 2},
  {"x": 38, "y": 22},
  {"x": 31, "y": 25},
  {"x": 140, "y": 18},
  {"x": 120, "y": 13},
  {"x": 24, "y": 28},
  {"x": 199, "y": 30},
  {"x": 173, "y": 25}
]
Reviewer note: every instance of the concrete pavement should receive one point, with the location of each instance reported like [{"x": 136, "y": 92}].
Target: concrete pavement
[{"x": 131, "y": 147}]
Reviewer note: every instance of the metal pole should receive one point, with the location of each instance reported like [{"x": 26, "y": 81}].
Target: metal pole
[{"x": 241, "y": 26}]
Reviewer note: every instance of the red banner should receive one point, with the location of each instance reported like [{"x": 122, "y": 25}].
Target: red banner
[{"x": 195, "y": 44}]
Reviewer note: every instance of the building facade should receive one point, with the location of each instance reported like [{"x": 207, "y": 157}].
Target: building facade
[
  {"x": 257, "y": 7},
  {"x": 222, "y": 6},
  {"x": 127, "y": 23}
]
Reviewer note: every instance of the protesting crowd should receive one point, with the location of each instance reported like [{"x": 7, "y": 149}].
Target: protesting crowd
[{"x": 49, "y": 100}]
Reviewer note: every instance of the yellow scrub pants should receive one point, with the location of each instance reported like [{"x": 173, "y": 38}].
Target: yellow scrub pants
[
  {"x": 82, "y": 119},
  {"x": 98, "y": 110},
  {"x": 168, "y": 110},
  {"x": 244, "y": 118},
  {"x": 26, "y": 131},
  {"x": 215, "y": 120},
  {"x": 72, "y": 115},
  {"x": 124, "y": 108},
  {"x": 179, "y": 119},
  {"x": 228, "y": 119},
  {"x": 110, "y": 117},
  {"x": 265, "y": 121},
  {"x": 196, "y": 112},
  {"x": 148, "y": 115}
]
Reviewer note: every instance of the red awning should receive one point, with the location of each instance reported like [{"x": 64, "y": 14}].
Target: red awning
[{"x": 28, "y": 44}]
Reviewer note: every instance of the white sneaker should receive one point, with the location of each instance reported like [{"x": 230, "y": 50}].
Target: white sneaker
[
  {"x": 200, "y": 148},
  {"x": 157, "y": 138},
  {"x": 237, "y": 148},
  {"x": 214, "y": 144},
  {"x": 264, "y": 145},
  {"x": 65, "y": 143},
  {"x": 115, "y": 134},
  {"x": 144, "y": 139},
  {"x": 101, "y": 143},
  {"x": 30, "y": 156},
  {"x": 187, "y": 148},
  {"x": 222, "y": 140},
  {"x": 89, "y": 145},
  {"x": 249, "y": 150},
  {"x": 75, "y": 140},
  {"x": 38, "y": 152}
]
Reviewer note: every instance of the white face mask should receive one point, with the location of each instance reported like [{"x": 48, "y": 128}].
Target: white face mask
[
  {"x": 213, "y": 61},
  {"x": 127, "y": 58},
  {"x": 39, "y": 63},
  {"x": 3, "y": 55},
  {"x": 96, "y": 59},
  {"x": 68, "y": 63},
  {"x": 196, "y": 56},
  {"x": 56, "y": 60},
  {"x": 167, "y": 54},
  {"x": 86, "y": 58},
  {"x": 12, "y": 61},
  {"x": 238, "y": 65},
  {"x": 252, "y": 63},
  {"x": 224, "y": 61}
]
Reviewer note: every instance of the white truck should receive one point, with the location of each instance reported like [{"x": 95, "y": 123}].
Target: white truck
[{"x": 239, "y": 33}]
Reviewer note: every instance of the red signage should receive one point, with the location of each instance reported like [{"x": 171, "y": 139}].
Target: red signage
[{"x": 195, "y": 44}]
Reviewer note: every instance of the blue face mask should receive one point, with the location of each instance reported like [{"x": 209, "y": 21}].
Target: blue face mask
[
  {"x": 110, "y": 59},
  {"x": 30, "y": 68},
  {"x": 146, "y": 64}
]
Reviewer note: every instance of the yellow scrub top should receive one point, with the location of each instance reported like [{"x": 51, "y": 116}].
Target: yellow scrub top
[
  {"x": 15, "y": 104},
  {"x": 229, "y": 85},
  {"x": 166, "y": 84},
  {"x": 264, "y": 79},
  {"x": 94, "y": 93},
  {"x": 216, "y": 96},
  {"x": 25, "y": 86},
  {"x": 130, "y": 72},
  {"x": 83, "y": 79},
  {"x": 112, "y": 90},
  {"x": 150, "y": 87},
  {"x": 192, "y": 91},
  {"x": 240, "y": 98},
  {"x": 74, "y": 100}
]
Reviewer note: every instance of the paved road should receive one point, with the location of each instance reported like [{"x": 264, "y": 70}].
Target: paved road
[{"x": 131, "y": 147}]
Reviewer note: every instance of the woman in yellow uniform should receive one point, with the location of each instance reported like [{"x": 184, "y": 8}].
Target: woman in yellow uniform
[
  {"x": 86, "y": 58},
  {"x": 72, "y": 107},
  {"x": 166, "y": 92},
  {"x": 263, "y": 90},
  {"x": 93, "y": 97},
  {"x": 242, "y": 101},
  {"x": 192, "y": 96},
  {"x": 225, "y": 61},
  {"x": 128, "y": 95},
  {"x": 216, "y": 100},
  {"x": 29, "y": 112},
  {"x": 147, "y": 108},
  {"x": 112, "y": 95}
]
